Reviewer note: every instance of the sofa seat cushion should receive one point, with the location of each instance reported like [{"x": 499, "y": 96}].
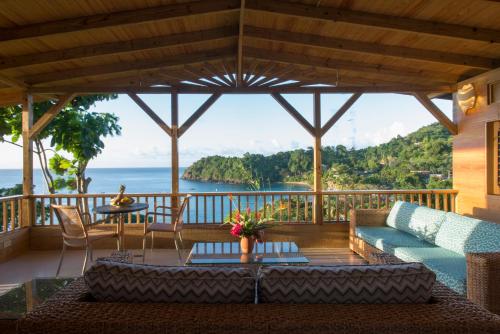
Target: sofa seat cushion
[
  {"x": 388, "y": 238},
  {"x": 463, "y": 234},
  {"x": 450, "y": 267},
  {"x": 420, "y": 221},
  {"x": 124, "y": 282},
  {"x": 366, "y": 284}
]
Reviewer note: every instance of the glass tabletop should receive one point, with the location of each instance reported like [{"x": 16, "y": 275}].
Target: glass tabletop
[
  {"x": 21, "y": 298},
  {"x": 266, "y": 253}
]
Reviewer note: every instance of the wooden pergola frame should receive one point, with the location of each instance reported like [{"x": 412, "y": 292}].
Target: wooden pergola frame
[{"x": 287, "y": 51}]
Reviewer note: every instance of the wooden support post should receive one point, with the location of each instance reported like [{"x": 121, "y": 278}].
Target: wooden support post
[
  {"x": 175, "y": 149},
  {"x": 27, "y": 122},
  {"x": 318, "y": 199},
  {"x": 239, "y": 60}
]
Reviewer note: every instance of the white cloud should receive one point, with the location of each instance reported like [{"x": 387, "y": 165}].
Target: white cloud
[{"x": 381, "y": 135}]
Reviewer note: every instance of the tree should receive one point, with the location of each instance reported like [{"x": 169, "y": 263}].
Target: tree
[{"x": 62, "y": 126}]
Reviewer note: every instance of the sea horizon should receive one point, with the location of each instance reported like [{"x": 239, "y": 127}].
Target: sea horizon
[{"x": 139, "y": 180}]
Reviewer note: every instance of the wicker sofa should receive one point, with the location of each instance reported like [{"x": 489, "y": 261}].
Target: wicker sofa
[
  {"x": 75, "y": 310},
  {"x": 463, "y": 252}
]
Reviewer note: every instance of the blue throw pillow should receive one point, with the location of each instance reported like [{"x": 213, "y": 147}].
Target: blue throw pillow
[
  {"x": 462, "y": 235},
  {"x": 420, "y": 221}
]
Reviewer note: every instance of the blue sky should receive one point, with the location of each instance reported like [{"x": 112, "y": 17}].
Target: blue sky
[{"x": 236, "y": 124}]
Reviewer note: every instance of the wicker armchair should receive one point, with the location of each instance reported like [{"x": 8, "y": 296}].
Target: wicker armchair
[
  {"x": 483, "y": 269},
  {"x": 77, "y": 232},
  {"x": 166, "y": 219}
]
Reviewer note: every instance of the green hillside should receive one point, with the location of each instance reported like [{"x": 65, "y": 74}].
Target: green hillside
[{"x": 421, "y": 159}]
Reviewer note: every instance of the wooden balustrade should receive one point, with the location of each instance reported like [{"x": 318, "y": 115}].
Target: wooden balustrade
[
  {"x": 10, "y": 213},
  {"x": 285, "y": 207}
]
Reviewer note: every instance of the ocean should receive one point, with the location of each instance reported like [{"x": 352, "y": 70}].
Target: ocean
[{"x": 138, "y": 180}]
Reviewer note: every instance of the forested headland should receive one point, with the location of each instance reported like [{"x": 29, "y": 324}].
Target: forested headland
[{"x": 421, "y": 159}]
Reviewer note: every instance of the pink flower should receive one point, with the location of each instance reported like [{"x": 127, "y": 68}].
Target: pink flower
[
  {"x": 236, "y": 230},
  {"x": 249, "y": 211}
]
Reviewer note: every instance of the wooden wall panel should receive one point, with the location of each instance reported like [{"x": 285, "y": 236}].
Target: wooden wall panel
[
  {"x": 13, "y": 244},
  {"x": 470, "y": 152}
]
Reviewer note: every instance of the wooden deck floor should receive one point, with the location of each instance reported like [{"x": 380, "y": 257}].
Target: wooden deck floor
[{"x": 44, "y": 263}]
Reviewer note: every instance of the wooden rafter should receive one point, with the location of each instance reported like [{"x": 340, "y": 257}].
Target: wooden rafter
[
  {"x": 49, "y": 115},
  {"x": 330, "y": 63},
  {"x": 262, "y": 75},
  {"x": 202, "y": 77},
  {"x": 375, "y": 20},
  {"x": 173, "y": 11},
  {"x": 216, "y": 73},
  {"x": 228, "y": 73},
  {"x": 157, "y": 119},
  {"x": 294, "y": 113},
  {"x": 124, "y": 67},
  {"x": 436, "y": 112},
  {"x": 330, "y": 43},
  {"x": 239, "y": 60},
  {"x": 278, "y": 74},
  {"x": 118, "y": 47},
  {"x": 198, "y": 113},
  {"x": 250, "y": 71},
  {"x": 345, "y": 107}
]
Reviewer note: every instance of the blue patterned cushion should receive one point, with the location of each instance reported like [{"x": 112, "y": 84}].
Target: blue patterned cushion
[
  {"x": 468, "y": 235},
  {"x": 420, "y": 221},
  {"x": 450, "y": 267},
  {"x": 388, "y": 238}
]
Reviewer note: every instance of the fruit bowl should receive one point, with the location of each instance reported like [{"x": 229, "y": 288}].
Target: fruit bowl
[{"x": 125, "y": 201}]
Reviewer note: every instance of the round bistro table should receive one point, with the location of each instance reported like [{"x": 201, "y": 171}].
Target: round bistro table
[{"x": 121, "y": 212}]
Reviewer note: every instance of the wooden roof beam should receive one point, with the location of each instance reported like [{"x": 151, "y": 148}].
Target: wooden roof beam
[
  {"x": 122, "y": 67},
  {"x": 340, "y": 64},
  {"x": 198, "y": 113},
  {"x": 185, "y": 89},
  {"x": 294, "y": 113},
  {"x": 345, "y": 107},
  {"x": 11, "y": 82},
  {"x": 311, "y": 40},
  {"x": 157, "y": 119},
  {"x": 118, "y": 47},
  {"x": 135, "y": 16},
  {"x": 333, "y": 14},
  {"x": 436, "y": 112},
  {"x": 49, "y": 115},
  {"x": 239, "y": 60}
]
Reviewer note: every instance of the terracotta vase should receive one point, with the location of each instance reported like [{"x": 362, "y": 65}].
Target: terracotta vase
[{"x": 246, "y": 245}]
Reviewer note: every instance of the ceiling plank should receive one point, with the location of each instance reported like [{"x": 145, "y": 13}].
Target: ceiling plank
[
  {"x": 11, "y": 82},
  {"x": 49, "y": 115},
  {"x": 122, "y": 67},
  {"x": 436, "y": 112},
  {"x": 216, "y": 73},
  {"x": 198, "y": 113},
  {"x": 157, "y": 119},
  {"x": 342, "y": 110},
  {"x": 339, "y": 64},
  {"x": 332, "y": 14},
  {"x": 142, "y": 15},
  {"x": 118, "y": 47},
  {"x": 294, "y": 113},
  {"x": 239, "y": 60},
  {"x": 311, "y": 40}
]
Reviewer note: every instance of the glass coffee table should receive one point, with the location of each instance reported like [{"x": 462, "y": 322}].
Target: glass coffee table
[
  {"x": 229, "y": 253},
  {"x": 19, "y": 299}
]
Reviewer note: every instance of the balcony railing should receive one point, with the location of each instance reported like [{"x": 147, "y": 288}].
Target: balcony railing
[
  {"x": 286, "y": 207},
  {"x": 10, "y": 213}
]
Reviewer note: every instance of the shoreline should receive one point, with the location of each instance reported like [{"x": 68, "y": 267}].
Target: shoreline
[{"x": 298, "y": 183}]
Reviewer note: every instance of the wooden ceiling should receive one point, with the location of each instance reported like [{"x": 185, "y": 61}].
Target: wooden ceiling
[{"x": 58, "y": 47}]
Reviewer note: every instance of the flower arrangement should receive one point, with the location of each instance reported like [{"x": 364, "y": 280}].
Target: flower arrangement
[{"x": 249, "y": 225}]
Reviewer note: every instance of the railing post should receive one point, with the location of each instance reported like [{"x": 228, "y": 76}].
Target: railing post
[
  {"x": 27, "y": 210},
  {"x": 175, "y": 149},
  {"x": 318, "y": 198}
]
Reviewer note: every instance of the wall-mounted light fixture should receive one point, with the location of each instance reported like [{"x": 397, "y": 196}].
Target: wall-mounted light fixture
[{"x": 466, "y": 97}]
